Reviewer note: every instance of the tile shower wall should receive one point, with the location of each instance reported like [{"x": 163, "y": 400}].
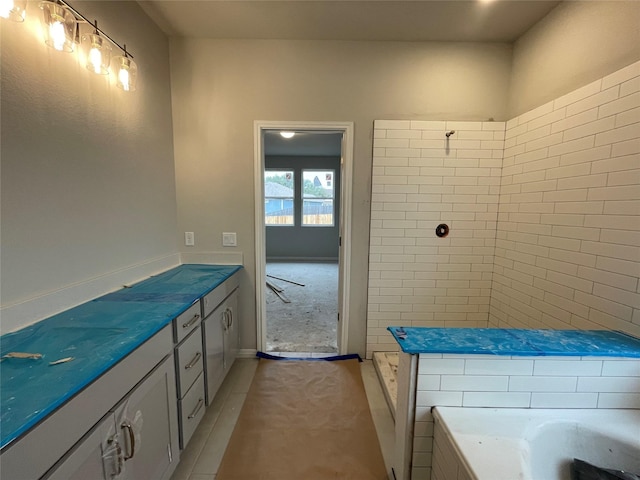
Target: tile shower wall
[
  {"x": 515, "y": 382},
  {"x": 568, "y": 239},
  {"x": 563, "y": 192},
  {"x": 422, "y": 179}
]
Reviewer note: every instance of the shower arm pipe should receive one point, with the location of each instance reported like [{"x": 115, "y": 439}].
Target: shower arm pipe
[{"x": 84, "y": 19}]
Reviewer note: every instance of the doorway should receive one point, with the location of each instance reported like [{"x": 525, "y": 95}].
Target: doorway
[{"x": 308, "y": 301}]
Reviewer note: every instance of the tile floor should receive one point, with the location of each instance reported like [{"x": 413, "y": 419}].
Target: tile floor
[{"x": 201, "y": 458}]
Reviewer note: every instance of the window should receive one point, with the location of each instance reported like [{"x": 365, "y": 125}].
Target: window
[
  {"x": 317, "y": 197},
  {"x": 278, "y": 197}
]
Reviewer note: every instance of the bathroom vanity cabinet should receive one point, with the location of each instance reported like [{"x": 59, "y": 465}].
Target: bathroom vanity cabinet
[
  {"x": 221, "y": 335},
  {"x": 134, "y": 392},
  {"x": 68, "y": 445},
  {"x": 135, "y": 441}
]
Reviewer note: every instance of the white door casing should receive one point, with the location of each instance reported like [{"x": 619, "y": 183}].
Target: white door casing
[{"x": 346, "y": 165}]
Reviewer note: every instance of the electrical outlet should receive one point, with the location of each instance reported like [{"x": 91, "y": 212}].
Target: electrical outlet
[
  {"x": 229, "y": 239},
  {"x": 189, "y": 239}
]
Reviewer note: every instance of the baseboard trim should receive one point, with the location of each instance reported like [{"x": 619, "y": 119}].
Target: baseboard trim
[
  {"x": 31, "y": 310},
  {"x": 247, "y": 353}
]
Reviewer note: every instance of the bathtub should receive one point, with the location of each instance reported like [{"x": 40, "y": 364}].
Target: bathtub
[{"x": 532, "y": 444}]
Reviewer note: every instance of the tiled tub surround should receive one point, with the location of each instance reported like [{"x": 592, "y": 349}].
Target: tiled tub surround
[
  {"x": 544, "y": 212},
  {"x": 520, "y": 376},
  {"x": 532, "y": 444}
]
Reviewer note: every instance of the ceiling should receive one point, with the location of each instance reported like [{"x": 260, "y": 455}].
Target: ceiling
[{"x": 373, "y": 20}]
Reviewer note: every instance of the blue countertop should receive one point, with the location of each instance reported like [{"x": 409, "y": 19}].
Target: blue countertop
[
  {"x": 97, "y": 334},
  {"x": 496, "y": 341}
]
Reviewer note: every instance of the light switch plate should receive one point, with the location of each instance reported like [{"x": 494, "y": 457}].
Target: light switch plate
[
  {"x": 229, "y": 239},
  {"x": 189, "y": 239}
]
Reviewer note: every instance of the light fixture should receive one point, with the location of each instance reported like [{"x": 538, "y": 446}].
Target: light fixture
[
  {"x": 59, "y": 25},
  {"x": 126, "y": 71},
  {"x": 97, "y": 51},
  {"x": 13, "y": 9},
  {"x": 287, "y": 134}
]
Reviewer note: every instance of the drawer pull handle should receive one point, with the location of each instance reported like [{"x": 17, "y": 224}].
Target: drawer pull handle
[
  {"x": 191, "y": 322},
  {"x": 197, "y": 409},
  {"x": 193, "y": 362},
  {"x": 132, "y": 440}
]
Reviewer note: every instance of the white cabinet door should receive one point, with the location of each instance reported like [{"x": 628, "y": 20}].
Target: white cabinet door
[
  {"x": 221, "y": 342},
  {"x": 148, "y": 427},
  {"x": 95, "y": 457},
  {"x": 214, "y": 350},
  {"x": 231, "y": 328}
]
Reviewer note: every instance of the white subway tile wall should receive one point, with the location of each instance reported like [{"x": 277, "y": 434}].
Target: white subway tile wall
[
  {"x": 513, "y": 382},
  {"x": 447, "y": 464},
  {"x": 421, "y": 178},
  {"x": 543, "y": 210},
  {"x": 568, "y": 239}
]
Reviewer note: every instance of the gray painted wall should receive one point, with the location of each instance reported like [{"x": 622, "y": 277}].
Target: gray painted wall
[
  {"x": 221, "y": 87},
  {"x": 577, "y": 43},
  {"x": 299, "y": 242},
  {"x": 88, "y": 180}
]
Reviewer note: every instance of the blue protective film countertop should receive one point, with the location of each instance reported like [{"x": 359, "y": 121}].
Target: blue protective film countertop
[
  {"x": 97, "y": 334},
  {"x": 496, "y": 341}
]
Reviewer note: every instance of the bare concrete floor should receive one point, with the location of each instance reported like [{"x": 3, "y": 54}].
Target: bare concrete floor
[{"x": 309, "y": 322}]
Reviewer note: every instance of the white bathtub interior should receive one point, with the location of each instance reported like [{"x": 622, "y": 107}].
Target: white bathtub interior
[{"x": 539, "y": 444}]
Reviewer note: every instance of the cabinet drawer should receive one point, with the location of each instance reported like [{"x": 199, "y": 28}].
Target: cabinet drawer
[
  {"x": 186, "y": 322},
  {"x": 215, "y": 297},
  {"x": 189, "y": 361},
  {"x": 192, "y": 409}
]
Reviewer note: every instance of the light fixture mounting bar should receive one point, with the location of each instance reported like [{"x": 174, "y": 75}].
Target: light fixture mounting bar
[{"x": 78, "y": 15}]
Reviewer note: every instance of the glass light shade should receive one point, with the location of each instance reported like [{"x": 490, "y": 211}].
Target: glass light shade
[
  {"x": 126, "y": 73},
  {"x": 98, "y": 53},
  {"x": 13, "y": 9},
  {"x": 59, "y": 26}
]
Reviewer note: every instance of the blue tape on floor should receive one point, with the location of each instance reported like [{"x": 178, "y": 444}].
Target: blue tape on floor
[{"x": 327, "y": 359}]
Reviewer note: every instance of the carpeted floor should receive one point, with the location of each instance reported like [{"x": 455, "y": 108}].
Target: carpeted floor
[
  {"x": 304, "y": 420},
  {"x": 309, "y": 322}
]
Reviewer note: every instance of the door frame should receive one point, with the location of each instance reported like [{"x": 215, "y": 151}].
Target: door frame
[{"x": 344, "y": 255}]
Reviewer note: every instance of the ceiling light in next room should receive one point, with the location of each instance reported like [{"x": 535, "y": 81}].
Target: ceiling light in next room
[{"x": 287, "y": 134}]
